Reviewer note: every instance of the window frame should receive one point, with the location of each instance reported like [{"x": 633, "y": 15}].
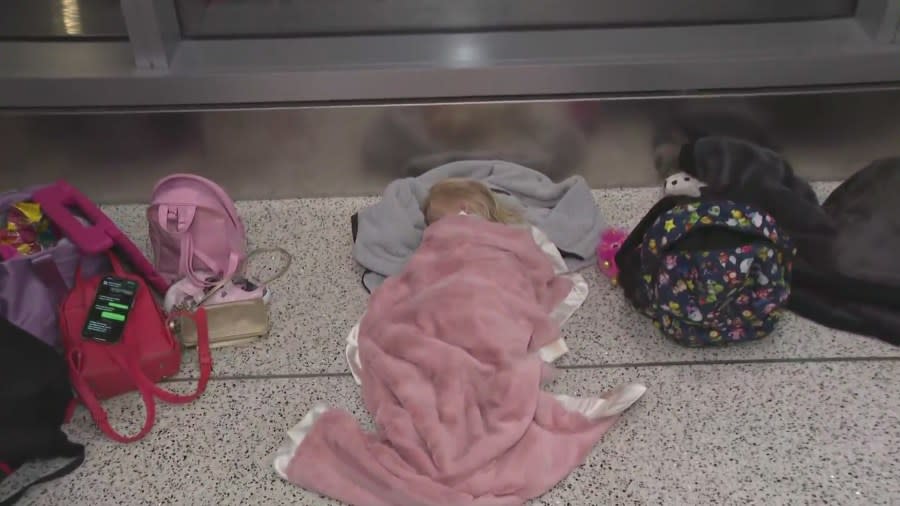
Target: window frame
[{"x": 156, "y": 68}]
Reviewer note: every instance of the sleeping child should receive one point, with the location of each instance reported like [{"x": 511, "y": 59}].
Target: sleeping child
[
  {"x": 466, "y": 196},
  {"x": 452, "y": 356}
]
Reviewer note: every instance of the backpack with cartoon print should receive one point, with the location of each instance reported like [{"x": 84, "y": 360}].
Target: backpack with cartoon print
[{"x": 708, "y": 272}]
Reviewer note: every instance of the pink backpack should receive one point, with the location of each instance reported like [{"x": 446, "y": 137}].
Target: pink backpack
[{"x": 194, "y": 229}]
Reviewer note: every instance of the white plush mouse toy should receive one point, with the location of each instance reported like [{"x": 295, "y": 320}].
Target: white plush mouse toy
[{"x": 683, "y": 184}]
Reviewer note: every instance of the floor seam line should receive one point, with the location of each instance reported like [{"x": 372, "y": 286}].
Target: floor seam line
[
  {"x": 682, "y": 363},
  {"x": 235, "y": 377},
  {"x": 622, "y": 365}
]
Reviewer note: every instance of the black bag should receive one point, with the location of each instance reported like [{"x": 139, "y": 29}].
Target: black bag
[
  {"x": 845, "y": 275},
  {"x": 34, "y": 396}
]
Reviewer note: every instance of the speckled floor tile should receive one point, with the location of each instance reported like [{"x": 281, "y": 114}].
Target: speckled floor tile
[
  {"x": 767, "y": 434},
  {"x": 785, "y": 434},
  {"x": 320, "y": 298}
]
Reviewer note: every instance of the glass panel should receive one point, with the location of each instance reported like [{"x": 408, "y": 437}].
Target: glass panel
[
  {"x": 229, "y": 18},
  {"x": 118, "y": 157},
  {"x": 61, "y": 19}
]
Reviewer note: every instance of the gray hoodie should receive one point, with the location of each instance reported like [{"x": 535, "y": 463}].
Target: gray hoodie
[{"x": 389, "y": 231}]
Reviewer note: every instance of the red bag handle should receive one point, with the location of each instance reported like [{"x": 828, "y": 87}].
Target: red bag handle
[
  {"x": 116, "y": 264},
  {"x": 145, "y": 387},
  {"x": 204, "y": 358},
  {"x": 96, "y": 409}
]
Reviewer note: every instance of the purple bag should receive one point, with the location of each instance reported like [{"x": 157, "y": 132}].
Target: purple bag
[{"x": 33, "y": 286}]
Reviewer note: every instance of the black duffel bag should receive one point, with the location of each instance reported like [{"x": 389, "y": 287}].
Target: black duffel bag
[{"x": 34, "y": 396}]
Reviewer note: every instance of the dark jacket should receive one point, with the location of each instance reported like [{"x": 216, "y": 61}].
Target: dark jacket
[
  {"x": 843, "y": 276},
  {"x": 743, "y": 172}
]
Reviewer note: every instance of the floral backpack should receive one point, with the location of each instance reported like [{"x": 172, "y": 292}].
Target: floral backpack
[{"x": 708, "y": 272}]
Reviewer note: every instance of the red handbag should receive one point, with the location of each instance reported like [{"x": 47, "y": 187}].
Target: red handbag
[{"x": 146, "y": 352}]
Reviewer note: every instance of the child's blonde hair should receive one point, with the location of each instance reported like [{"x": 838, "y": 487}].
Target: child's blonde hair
[{"x": 481, "y": 199}]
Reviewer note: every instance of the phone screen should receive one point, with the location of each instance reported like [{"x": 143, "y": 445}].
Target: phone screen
[{"x": 109, "y": 313}]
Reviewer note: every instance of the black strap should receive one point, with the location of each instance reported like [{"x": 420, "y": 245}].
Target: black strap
[
  {"x": 636, "y": 237},
  {"x": 362, "y": 280},
  {"x": 354, "y": 225},
  {"x": 74, "y": 464},
  {"x": 568, "y": 254},
  {"x": 628, "y": 258}
]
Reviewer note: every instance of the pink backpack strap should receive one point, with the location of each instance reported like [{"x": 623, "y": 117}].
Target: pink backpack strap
[
  {"x": 185, "y": 215},
  {"x": 217, "y": 190},
  {"x": 186, "y": 262}
]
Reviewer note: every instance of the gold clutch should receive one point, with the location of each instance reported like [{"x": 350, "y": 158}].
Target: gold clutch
[{"x": 230, "y": 324}]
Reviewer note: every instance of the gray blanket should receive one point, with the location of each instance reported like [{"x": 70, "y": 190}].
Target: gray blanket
[{"x": 389, "y": 231}]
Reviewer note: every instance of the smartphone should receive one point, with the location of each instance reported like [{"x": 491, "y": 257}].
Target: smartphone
[{"x": 109, "y": 313}]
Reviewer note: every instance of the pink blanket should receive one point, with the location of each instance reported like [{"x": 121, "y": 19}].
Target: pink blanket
[{"x": 451, "y": 376}]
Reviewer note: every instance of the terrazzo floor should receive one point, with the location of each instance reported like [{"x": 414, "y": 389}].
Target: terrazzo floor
[{"x": 809, "y": 416}]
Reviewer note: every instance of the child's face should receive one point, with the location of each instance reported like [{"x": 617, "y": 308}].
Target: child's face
[{"x": 439, "y": 208}]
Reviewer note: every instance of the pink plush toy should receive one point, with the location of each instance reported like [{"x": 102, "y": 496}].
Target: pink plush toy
[{"x": 610, "y": 242}]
